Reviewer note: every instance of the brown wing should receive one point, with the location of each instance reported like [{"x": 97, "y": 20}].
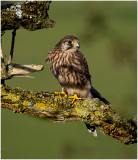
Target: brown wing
[{"x": 80, "y": 65}]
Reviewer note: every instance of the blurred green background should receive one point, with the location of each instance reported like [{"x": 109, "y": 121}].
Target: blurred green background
[{"x": 108, "y": 39}]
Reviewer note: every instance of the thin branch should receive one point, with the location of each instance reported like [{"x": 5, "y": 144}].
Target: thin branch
[
  {"x": 4, "y": 72},
  {"x": 12, "y": 46},
  {"x": 56, "y": 107},
  {"x": 2, "y": 58}
]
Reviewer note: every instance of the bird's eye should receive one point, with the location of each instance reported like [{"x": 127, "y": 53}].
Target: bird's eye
[{"x": 69, "y": 42}]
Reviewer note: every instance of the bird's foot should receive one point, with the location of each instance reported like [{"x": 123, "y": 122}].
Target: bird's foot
[
  {"x": 60, "y": 94},
  {"x": 74, "y": 98}
]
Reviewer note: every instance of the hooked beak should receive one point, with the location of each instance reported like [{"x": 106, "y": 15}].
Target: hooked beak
[{"x": 77, "y": 45}]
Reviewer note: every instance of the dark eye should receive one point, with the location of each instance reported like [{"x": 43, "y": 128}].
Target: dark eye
[{"x": 69, "y": 42}]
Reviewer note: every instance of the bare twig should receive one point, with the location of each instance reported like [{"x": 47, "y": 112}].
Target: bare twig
[
  {"x": 12, "y": 46},
  {"x": 25, "y": 69},
  {"x": 18, "y": 70}
]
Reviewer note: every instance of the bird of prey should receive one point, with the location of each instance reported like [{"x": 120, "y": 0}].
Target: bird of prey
[{"x": 70, "y": 67}]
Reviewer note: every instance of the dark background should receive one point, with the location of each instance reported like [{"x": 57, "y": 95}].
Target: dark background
[{"x": 108, "y": 39}]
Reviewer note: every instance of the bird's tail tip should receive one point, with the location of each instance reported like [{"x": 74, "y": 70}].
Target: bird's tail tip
[
  {"x": 91, "y": 129},
  {"x": 94, "y": 132}
]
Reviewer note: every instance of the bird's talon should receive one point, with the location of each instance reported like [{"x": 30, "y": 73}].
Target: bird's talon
[{"x": 74, "y": 98}]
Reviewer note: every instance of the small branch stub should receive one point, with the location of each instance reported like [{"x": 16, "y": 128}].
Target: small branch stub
[
  {"x": 18, "y": 70},
  {"x": 25, "y": 69}
]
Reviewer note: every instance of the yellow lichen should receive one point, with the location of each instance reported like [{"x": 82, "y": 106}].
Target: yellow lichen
[
  {"x": 113, "y": 126},
  {"x": 66, "y": 114},
  {"x": 18, "y": 108},
  {"x": 109, "y": 113},
  {"x": 16, "y": 105},
  {"x": 19, "y": 88},
  {"x": 25, "y": 103},
  {"x": 41, "y": 106},
  {"x": 50, "y": 115},
  {"x": 12, "y": 97},
  {"x": 97, "y": 113}
]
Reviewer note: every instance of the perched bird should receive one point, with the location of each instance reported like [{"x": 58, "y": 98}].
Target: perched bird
[{"x": 70, "y": 67}]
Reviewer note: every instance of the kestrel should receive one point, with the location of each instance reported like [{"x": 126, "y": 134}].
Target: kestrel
[{"x": 70, "y": 67}]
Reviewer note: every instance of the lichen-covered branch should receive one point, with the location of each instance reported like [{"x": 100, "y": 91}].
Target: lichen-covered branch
[
  {"x": 29, "y": 15},
  {"x": 57, "y": 107}
]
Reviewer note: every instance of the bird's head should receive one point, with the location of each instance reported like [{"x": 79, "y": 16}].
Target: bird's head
[{"x": 69, "y": 43}]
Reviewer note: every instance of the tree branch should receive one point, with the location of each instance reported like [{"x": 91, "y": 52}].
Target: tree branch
[
  {"x": 29, "y": 15},
  {"x": 60, "y": 109}
]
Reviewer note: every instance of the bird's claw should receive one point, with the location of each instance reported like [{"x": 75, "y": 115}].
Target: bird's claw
[{"x": 74, "y": 98}]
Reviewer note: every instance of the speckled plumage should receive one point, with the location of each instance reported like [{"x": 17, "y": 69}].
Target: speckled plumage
[{"x": 70, "y": 67}]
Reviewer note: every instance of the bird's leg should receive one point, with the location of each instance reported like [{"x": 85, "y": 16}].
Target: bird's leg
[{"x": 74, "y": 97}]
